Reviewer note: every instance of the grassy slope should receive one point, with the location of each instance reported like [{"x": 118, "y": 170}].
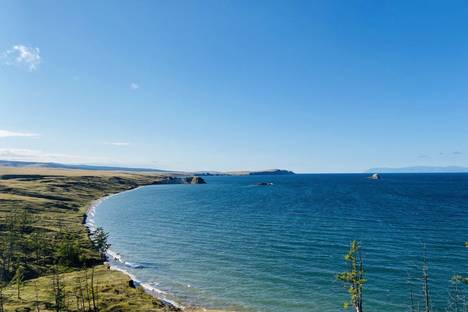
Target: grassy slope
[
  {"x": 57, "y": 199},
  {"x": 112, "y": 287}
]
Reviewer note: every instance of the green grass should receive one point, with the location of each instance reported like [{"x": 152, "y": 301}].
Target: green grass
[{"x": 114, "y": 294}]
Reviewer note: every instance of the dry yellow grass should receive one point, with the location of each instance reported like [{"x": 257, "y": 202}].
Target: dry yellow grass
[
  {"x": 76, "y": 172},
  {"x": 21, "y": 198},
  {"x": 114, "y": 294}
]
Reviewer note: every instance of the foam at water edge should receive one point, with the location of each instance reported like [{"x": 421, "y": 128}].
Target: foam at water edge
[{"x": 115, "y": 256}]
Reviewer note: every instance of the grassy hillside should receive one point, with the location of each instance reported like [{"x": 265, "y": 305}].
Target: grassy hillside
[
  {"x": 43, "y": 242},
  {"x": 51, "y": 165},
  {"x": 112, "y": 289}
]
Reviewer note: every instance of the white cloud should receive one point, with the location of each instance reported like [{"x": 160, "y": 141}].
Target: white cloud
[
  {"x": 134, "y": 86},
  {"x": 119, "y": 143},
  {"x": 22, "y": 56},
  {"x": 8, "y": 134}
]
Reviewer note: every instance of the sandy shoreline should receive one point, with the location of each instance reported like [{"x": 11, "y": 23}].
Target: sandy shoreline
[{"x": 113, "y": 256}]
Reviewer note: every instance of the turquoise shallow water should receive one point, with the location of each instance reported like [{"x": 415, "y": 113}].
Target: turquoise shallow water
[{"x": 231, "y": 244}]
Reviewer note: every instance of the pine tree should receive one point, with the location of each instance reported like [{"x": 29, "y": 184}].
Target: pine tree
[
  {"x": 59, "y": 291},
  {"x": 2, "y": 299},
  {"x": 354, "y": 277},
  {"x": 457, "y": 299},
  {"x": 413, "y": 307},
  {"x": 18, "y": 279},
  {"x": 100, "y": 240},
  {"x": 93, "y": 292},
  {"x": 36, "y": 294},
  {"x": 68, "y": 251},
  {"x": 88, "y": 295},
  {"x": 425, "y": 278}
]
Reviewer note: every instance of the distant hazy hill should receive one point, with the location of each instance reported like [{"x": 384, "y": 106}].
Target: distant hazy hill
[
  {"x": 262, "y": 172},
  {"x": 13, "y": 163},
  {"x": 238, "y": 173},
  {"x": 22, "y": 164},
  {"x": 418, "y": 169},
  {"x": 271, "y": 172}
]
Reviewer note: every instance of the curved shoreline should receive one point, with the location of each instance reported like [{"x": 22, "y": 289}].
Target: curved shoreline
[{"x": 112, "y": 255}]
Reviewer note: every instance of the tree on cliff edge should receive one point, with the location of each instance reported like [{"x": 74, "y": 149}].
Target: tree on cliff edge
[
  {"x": 99, "y": 239},
  {"x": 354, "y": 276}
]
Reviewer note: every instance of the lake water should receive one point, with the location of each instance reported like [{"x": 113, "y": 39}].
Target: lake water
[{"x": 231, "y": 244}]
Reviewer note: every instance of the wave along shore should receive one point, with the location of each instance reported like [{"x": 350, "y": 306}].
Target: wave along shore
[{"x": 114, "y": 258}]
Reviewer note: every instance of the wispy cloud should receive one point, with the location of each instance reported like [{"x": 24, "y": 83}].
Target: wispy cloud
[
  {"x": 9, "y": 134},
  {"x": 22, "y": 56},
  {"x": 22, "y": 154},
  {"x": 119, "y": 143},
  {"x": 134, "y": 86}
]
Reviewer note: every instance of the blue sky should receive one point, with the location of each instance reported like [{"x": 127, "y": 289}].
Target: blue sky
[{"x": 312, "y": 86}]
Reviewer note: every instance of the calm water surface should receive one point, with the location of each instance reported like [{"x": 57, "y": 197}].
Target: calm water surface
[{"x": 231, "y": 244}]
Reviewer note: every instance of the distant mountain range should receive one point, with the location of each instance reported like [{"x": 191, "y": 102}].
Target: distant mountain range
[
  {"x": 52, "y": 165},
  {"x": 418, "y": 169}
]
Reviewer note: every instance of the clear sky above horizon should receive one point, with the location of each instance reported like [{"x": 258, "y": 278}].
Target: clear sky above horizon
[{"x": 311, "y": 86}]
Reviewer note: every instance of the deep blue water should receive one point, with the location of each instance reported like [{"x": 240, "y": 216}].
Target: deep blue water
[{"x": 231, "y": 244}]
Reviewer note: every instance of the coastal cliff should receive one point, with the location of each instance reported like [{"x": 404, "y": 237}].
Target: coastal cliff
[
  {"x": 195, "y": 180},
  {"x": 180, "y": 180}
]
